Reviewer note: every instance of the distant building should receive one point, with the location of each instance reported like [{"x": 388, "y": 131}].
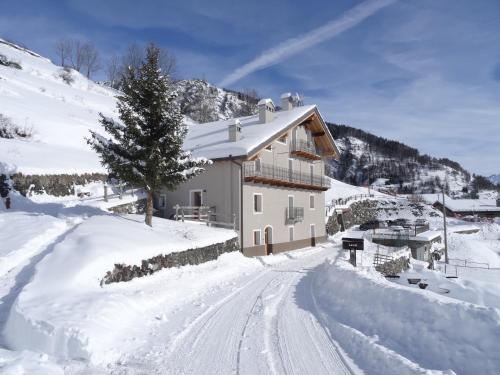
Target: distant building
[
  {"x": 459, "y": 208},
  {"x": 267, "y": 177}
]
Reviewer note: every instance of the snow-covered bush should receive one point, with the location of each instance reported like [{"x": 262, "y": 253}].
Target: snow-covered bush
[
  {"x": 66, "y": 75},
  {"x": 9, "y": 130},
  {"x": 10, "y": 63}
]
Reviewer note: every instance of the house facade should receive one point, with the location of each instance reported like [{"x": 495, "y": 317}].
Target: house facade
[{"x": 267, "y": 177}]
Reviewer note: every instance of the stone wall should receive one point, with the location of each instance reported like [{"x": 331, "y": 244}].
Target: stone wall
[
  {"x": 358, "y": 213},
  {"x": 395, "y": 266},
  {"x": 123, "y": 272},
  {"x": 53, "y": 184},
  {"x": 137, "y": 207}
]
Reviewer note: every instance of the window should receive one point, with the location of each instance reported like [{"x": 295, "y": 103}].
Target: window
[
  {"x": 290, "y": 233},
  {"x": 256, "y": 237},
  {"x": 311, "y": 202},
  {"x": 313, "y": 231},
  {"x": 269, "y": 148},
  {"x": 282, "y": 139},
  {"x": 257, "y": 203},
  {"x": 162, "y": 201},
  {"x": 290, "y": 207}
]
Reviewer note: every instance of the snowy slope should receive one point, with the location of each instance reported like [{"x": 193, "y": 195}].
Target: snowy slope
[{"x": 59, "y": 114}]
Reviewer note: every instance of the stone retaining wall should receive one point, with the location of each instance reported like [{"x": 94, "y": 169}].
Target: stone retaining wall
[
  {"x": 358, "y": 213},
  {"x": 137, "y": 207},
  {"x": 53, "y": 184},
  {"x": 123, "y": 272}
]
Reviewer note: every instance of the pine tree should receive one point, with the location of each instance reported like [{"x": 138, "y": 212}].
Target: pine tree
[{"x": 145, "y": 148}]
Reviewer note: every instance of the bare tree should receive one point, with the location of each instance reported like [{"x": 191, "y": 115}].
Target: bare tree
[
  {"x": 76, "y": 57},
  {"x": 64, "y": 49},
  {"x": 113, "y": 72},
  {"x": 249, "y": 102},
  {"x": 135, "y": 55},
  {"x": 90, "y": 58}
]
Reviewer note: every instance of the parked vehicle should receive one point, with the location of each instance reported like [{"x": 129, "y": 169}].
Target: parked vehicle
[
  {"x": 374, "y": 224},
  {"x": 399, "y": 222},
  {"x": 421, "y": 222},
  {"x": 397, "y": 228}
]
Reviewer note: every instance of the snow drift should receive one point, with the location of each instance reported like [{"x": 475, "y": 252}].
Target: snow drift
[
  {"x": 393, "y": 329},
  {"x": 64, "y": 312}
]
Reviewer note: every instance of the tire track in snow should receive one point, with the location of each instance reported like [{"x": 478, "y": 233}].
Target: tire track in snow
[{"x": 25, "y": 274}]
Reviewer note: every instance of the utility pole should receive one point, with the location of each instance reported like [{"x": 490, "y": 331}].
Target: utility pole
[{"x": 445, "y": 233}]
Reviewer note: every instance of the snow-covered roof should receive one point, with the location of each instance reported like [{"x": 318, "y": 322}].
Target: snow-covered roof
[
  {"x": 210, "y": 140},
  {"x": 265, "y": 101},
  {"x": 461, "y": 205}
]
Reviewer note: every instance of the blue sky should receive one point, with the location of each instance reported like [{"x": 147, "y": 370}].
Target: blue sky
[{"x": 424, "y": 72}]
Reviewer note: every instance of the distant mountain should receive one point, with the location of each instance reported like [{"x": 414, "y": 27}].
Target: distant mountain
[
  {"x": 366, "y": 158},
  {"x": 203, "y": 102},
  {"x": 495, "y": 178}
]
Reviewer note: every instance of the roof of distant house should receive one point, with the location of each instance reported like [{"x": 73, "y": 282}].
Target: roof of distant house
[
  {"x": 211, "y": 140},
  {"x": 463, "y": 205}
]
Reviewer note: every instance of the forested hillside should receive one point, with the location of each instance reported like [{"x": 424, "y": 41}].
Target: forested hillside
[{"x": 366, "y": 158}]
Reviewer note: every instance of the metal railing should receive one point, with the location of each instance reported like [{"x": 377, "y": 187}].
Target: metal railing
[
  {"x": 285, "y": 175},
  {"x": 380, "y": 259},
  {"x": 343, "y": 201},
  {"x": 205, "y": 214},
  {"x": 294, "y": 215}
]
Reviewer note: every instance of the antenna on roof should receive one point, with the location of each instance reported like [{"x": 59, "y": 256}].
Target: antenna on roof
[{"x": 297, "y": 100}]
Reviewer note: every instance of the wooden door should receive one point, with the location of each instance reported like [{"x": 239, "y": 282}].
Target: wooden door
[{"x": 268, "y": 239}]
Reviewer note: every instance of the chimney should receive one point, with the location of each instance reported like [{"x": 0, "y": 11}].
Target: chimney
[
  {"x": 266, "y": 110},
  {"x": 234, "y": 131},
  {"x": 286, "y": 101}
]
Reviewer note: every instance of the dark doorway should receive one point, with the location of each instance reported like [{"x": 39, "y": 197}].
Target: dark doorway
[{"x": 268, "y": 240}]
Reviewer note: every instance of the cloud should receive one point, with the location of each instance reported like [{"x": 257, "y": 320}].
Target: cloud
[{"x": 295, "y": 45}]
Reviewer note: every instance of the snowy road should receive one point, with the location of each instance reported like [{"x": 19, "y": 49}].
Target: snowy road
[{"x": 263, "y": 323}]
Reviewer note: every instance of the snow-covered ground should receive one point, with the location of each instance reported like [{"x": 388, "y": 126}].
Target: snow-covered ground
[
  {"x": 58, "y": 114},
  {"x": 302, "y": 312}
]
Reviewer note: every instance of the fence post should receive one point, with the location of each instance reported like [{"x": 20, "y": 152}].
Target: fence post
[
  {"x": 234, "y": 221},
  {"x": 208, "y": 217},
  {"x": 176, "y": 212},
  {"x": 105, "y": 192}
]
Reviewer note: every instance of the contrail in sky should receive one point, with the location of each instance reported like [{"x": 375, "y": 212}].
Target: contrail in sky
[{"x": 295, "y": 45}]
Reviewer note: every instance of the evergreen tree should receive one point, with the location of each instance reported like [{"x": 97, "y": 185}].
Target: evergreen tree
[{"x": 145, "y": 148}]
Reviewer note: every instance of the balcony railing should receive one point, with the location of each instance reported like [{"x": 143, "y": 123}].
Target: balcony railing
[
  {"x": 294, "y": 215},
  {"x": 271, "y": 174},
  {"x": 305, "y": 149}
]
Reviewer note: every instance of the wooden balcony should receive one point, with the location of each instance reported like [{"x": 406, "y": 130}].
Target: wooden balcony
[
  {"x": 305, "y": 150},
  {"x": 278, "y": 176}
]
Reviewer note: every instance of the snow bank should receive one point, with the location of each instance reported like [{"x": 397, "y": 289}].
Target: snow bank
[
  {"x": 393, "y": 329},
  {"x": 64, "y": 312},
  {"x": 26, "y": 235},
  {"x": 25, "y": 362}
]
